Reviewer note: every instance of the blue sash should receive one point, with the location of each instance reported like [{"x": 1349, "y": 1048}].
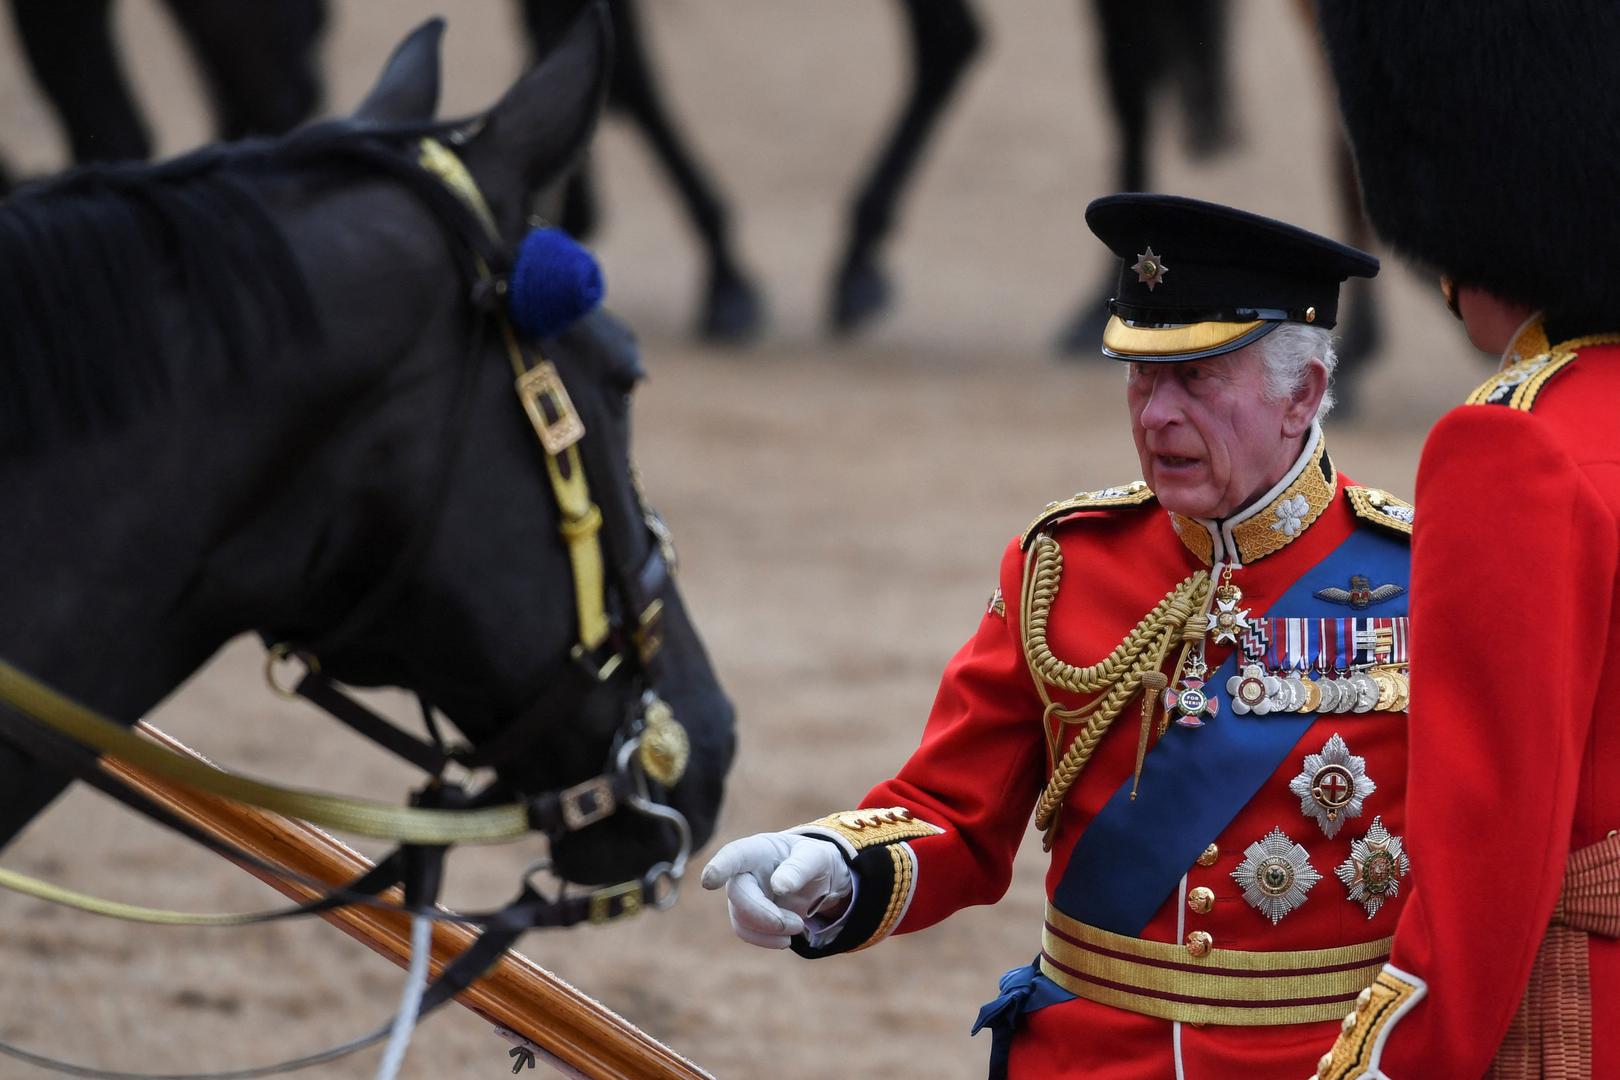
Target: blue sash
[
  {"x": 1131, "y": 858},
  {"x": 1023, "y": 990}
]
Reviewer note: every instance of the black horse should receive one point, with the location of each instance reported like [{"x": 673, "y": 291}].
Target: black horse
[
  {"x": 732, "y": 310},
  {"x": 251, "y": 390},
  {"x": 258, "y": 61},
  {"x": 1141, "y": 48}
]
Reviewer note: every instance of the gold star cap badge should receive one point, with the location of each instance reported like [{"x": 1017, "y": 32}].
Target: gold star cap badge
[{"x": 1150, "y": 269}]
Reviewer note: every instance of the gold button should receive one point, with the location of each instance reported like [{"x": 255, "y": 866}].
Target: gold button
[
  {"x": 1201, "y": 900},
  {"x": 1322, "y": 1065},
  {"x": 1199, "y": 942},
  {"x": 1310, "y": 314},
  {"x": 1363, "y": 998},
  {"x": 1209, "y": 856},
  {"x": 1349, "y": 1024}
]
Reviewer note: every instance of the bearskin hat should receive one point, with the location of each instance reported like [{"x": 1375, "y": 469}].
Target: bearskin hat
[{"x": 1487, "y": 139}]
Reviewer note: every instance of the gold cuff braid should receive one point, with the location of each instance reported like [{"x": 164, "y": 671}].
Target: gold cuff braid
[
  {"x": 872, "y": 827},
  {"x": 905, "y": 876},
  {"x": 1355, "y": 1052}
]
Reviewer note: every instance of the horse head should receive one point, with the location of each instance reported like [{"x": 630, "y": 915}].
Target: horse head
[{"x": 360, "y": 482}]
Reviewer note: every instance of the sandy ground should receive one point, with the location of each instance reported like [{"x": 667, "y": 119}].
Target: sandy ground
[{"x": 840, "y": 509}]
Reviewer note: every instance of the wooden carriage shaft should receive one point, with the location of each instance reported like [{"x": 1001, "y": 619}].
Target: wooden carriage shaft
[{"x": 516, "y": 994}]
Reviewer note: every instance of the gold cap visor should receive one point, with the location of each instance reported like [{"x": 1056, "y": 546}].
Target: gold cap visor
[{"x": 1189, "y": 341}]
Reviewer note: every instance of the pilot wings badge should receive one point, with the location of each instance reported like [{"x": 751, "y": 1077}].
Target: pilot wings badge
[{"x": 1361, "y": 594}]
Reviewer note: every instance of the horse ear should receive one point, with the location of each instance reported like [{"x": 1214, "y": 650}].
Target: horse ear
[
  {"x": 407, "y": 91},
  {"x": 535, "y": 132}
]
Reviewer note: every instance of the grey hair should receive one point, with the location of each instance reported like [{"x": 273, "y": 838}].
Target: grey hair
[{"x": 1287, "y": 351}]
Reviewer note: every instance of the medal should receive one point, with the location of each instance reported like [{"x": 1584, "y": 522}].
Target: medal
[
  {"x": 1332, "y": 785},
  {"x": 1327, "y": 692},
  {"x": 1313, "y": 696},
  {"x": 1227, "y": 621},
  {"x": 1251, "y": 690},
  {"x": 1189, "y": 702},
  {"x": 1374, "y": 870},
  {"x": 1346, "y": 691},
  {"x": 1387, "y": 689},
  {"x": 1366, "y": 691},
  {"x": 1296, "y": 692},
  {"x": 1280, "y": 699}
]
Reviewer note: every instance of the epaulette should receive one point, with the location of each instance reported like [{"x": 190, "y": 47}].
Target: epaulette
[
  {"x": 1518, "y": 384},
  {"x": 1381, "y": 508},
  {"x": 1135, "y": 493}
]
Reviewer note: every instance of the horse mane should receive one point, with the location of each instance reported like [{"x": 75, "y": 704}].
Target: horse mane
[{"x": 88, "y": 259}]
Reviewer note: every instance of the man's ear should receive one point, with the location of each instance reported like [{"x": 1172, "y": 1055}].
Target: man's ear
[{"x": 1305, "y": 400}]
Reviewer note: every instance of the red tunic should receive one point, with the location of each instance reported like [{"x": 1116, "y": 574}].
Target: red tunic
[
  {"x": 982, "y": 763},
  {"x": 1515, "y": 752}
]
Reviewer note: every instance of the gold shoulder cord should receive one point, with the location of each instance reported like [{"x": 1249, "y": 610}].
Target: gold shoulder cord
[{"x": 1116, "y": 678}]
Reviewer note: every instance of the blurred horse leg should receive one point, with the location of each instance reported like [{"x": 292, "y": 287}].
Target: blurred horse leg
[
  {"x": 259, "y": 60},
  {"x": 574, "y": 206},
  {"x": 945, "y": 36},
  {"x": 1198, "y": 37},
  {"x": 1133, "y": 56},
  {"x": 1361, "y": 329},
  {"x": 580, "y": 212},
  {"x": 732, "y": 308},
  {"x": 70, "y": 51}
]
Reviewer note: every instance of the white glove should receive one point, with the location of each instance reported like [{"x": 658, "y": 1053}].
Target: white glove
[{"x": 774, "y": 881}]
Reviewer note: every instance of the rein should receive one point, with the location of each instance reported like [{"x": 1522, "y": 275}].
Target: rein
[{"x": 609, "y": 653}]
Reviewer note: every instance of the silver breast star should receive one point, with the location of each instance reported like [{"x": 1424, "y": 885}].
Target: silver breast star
[{"x": 1332, "y": 786}]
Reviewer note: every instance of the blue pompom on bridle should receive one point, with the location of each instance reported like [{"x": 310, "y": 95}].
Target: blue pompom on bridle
[{"x": 555, "y": 282}]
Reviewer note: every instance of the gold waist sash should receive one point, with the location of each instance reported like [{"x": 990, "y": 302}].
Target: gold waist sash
[{"x": 1225, "y": 986}]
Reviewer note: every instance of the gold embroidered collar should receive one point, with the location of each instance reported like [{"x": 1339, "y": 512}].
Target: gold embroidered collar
[
  {"x": 1529, "y": 363},
  {"x": 1274, "y": 520}
]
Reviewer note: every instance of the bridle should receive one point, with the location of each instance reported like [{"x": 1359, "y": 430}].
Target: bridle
[
  {"x": 619, "y": 601},
  {"x": 618, "y": 604}
]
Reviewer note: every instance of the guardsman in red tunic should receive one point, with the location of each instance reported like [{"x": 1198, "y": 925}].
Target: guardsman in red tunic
[
  {"x": 1196, "y": 682},
  {"x": 1488, "y": 143}
]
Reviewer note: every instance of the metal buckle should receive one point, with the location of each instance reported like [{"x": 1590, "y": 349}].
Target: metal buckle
[
  {"x": 602, "y": 902},
  {"x": 661, "y": 534},
  {"x": 281, "y": 653},
  {"x": 587, "y": 803},
  {"x": 535, "y": 388},
  {"x": 601, "y": 672},
  {"x": 649, "y": 636}
]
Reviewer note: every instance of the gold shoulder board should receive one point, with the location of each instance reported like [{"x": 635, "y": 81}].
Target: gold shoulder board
[
  {"x": 1135, "y": 493},
  {"x": 1518, "y": 384},
  {"x": 1382, "y": 509}
]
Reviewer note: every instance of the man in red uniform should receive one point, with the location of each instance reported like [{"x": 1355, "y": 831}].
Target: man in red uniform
[
  {"x": 1196, "y": 680},
  {"x": 1488, "y": 141}
]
